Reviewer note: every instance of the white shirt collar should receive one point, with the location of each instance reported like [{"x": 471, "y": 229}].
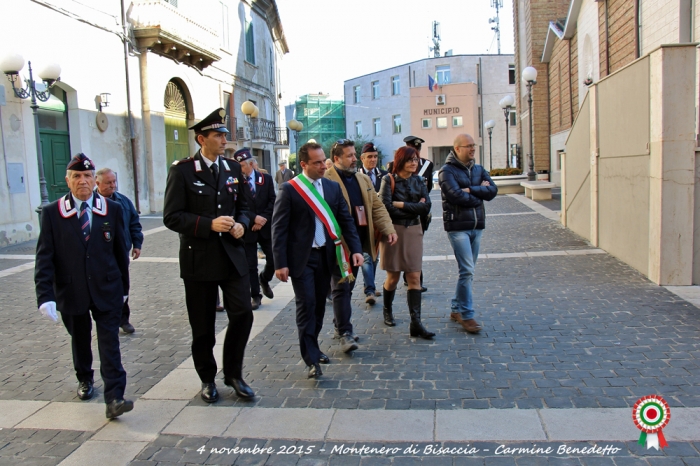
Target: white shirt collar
[
  {"x": 79, "y": 203},
  {"x": 209, "y": 162}
]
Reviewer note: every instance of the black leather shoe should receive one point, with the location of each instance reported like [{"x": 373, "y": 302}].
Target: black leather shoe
[
  {"x": 209, "y": 392},
  {"x": 423, "y": 289},
  {"x": 128, "y": 328},
  {"x": 324, "y": 359},
  {"x": 314, "y": 371},
  {"x": 116, "y": 408},
  {"x": 265, "y": 285},
  {"x": 85, "y": 390},
  {"x": 347, "y": 343},
  {"x": 337, "y": 335},
  {"x": 240, "y": 387},
  {"x": 255, "y": 302}
]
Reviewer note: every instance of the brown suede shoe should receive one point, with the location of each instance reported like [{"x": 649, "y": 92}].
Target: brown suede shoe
[
  {"x": 456, "y": 316},
  {"x": 471, "y": 326}
]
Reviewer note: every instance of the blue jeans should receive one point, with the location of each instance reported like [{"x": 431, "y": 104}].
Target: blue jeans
[
  {"x": 466, "y": 247},
  {"x": 369, "y": 269}
]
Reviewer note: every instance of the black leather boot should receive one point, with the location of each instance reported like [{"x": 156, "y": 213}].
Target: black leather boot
[
  {"x": 388, "y": 311},
  {"x": 414, "y": 303}
]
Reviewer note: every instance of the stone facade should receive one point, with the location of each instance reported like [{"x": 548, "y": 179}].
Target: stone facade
[{"x": 171, "y": 50}]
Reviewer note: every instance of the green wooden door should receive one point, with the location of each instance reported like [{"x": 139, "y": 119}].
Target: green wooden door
[
  {"x": 176, "y": 144},
  {"x": 55, "y": 150}
]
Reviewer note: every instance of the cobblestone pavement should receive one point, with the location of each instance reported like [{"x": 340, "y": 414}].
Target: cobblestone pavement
[{"x": 559, "y": 332}]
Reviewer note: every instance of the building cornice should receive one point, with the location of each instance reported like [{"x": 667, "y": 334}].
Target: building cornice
[{"x": 565, "y": 33}]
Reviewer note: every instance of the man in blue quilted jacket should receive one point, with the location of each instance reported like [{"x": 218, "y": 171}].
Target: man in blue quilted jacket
[{"x": 465, "y": 186}]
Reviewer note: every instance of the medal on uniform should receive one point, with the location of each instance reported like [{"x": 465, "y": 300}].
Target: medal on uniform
[
  {"x": 107, "y": 232},
  {"x": 230, "y": 180}
]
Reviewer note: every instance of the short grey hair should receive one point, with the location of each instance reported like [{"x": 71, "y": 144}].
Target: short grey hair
[{"x": 104, "y": 171}]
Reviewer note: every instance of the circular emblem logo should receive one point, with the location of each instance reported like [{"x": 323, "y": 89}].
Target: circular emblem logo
[{"x": 651, "y": 414}]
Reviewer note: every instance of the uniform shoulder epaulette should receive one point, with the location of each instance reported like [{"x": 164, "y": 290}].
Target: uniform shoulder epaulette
[{"x": 188, "y": 159}]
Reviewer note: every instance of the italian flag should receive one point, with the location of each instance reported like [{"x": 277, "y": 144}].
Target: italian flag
[{"x": 308, "y": 192}]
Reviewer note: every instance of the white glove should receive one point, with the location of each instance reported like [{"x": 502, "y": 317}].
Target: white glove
[
  {"x": 126, "y": 297},
  {"x": 49, "y": 310}
]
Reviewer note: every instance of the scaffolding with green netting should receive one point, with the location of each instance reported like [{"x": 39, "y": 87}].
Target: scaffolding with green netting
[{"x": 323, "y": 118}]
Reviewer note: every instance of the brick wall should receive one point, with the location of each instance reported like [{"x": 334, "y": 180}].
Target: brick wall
[
  {"x": 621, "y": 45},
  {"x": 538, "y": 14},
  {"x": 563, "y": 88}
]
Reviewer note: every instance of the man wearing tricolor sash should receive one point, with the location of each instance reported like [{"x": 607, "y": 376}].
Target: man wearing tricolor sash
[{"x": 309, "y": 219}]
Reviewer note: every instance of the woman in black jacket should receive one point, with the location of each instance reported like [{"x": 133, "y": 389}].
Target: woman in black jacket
[{"x": 406, "y": 198}]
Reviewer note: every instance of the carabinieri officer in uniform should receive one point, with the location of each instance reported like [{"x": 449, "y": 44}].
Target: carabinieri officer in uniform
[{"x": 205, "y": 204}]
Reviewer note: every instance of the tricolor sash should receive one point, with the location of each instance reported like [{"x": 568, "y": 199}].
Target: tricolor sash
[{"x": 310, "y": 194}]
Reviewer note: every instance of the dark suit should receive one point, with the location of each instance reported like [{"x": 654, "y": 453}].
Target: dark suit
[
  {"x": 209, "y": 260},
  {"x": 378, "y": 175},
  {"x": 262, "y": 203},
  {"x": 293, "y": 227},
  {"x": 83, "y": 277}
]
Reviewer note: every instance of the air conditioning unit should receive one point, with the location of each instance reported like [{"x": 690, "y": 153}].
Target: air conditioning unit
[
  {"x": 243, "y": 132},
  {"x": 440, "y": 99}
]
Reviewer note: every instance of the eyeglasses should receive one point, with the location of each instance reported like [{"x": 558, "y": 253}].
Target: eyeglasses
[
  {"x": 469, "y": 146},
  {"x": 413, "y": 159}
]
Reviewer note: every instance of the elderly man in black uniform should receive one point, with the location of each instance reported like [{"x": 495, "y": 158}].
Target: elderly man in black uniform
[
  {"x": 204, "y": 203},
  {"x": 261, "y": 202},
  {"x": 82, "y": 267}
]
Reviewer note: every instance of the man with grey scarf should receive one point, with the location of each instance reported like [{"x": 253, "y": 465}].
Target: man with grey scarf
[
  {"x": 371, "y": 218},
  {"x": 465, "y": 186}
]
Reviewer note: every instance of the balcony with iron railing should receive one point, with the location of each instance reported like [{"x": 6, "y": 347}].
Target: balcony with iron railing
[
  {"x": 174, "y": 31},
  {"x": 265, "y": 131}
]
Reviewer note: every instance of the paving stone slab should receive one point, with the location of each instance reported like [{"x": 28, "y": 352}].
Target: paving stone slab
[
  {"x": 202, "y": 421},
  {"x": 12, "y": 412},
  {"x": 83, "y": 416},
  {"x": 280, "y": 423},
  {"x": 143, "y": 424},
  {"x": 382, "y": 425},
  {"x": 104, "y": 453},
  {"x": 490, "y": 424}
]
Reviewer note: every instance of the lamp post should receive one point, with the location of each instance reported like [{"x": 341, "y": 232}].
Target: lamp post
[
  {"x": 11, "y": 65},
  {"x": 507, "y": 104},
  {"x": 530, "y": 78},
  {"x": 489, "y": 127},
  {"x": 296, "y": 127},
  {"x": 250, "y": 110}
]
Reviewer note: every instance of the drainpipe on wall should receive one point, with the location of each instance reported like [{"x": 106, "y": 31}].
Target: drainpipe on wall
[
  {"x": 481, "y": 97},
  {"x": 607, "y": 41},
  {"x": 147, "y": 132},
  {"x": 130, "y": 117}
]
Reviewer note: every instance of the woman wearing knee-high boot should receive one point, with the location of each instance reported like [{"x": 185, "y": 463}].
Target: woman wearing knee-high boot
[{"x": 406, "y": 198}]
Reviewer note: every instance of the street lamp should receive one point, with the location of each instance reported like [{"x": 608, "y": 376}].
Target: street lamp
[
  {"x": 489, "y": 127},
  {"x": 296, "y": 127},
  {"x": 11, "y": 65},
  {"x": 507, "y": 104},
  {"x": 530, "y": 78},
  {"x": 250, "y": 110}
]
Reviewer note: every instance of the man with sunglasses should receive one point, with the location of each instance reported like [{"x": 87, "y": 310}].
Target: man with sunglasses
[
  {"x": 465, "y": 186},
  {"x": 370, "y": 217}
]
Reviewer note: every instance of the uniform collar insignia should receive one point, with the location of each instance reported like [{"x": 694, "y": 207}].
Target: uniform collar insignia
[
  {"x": 226, "y": 167},
  {"x": 100, "y": 205},
  {"x": 66, "y": 207}
]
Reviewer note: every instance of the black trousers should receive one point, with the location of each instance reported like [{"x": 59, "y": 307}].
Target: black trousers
[
  {"x": 111, "y": 370},
  {"x": 310, "y": 291},
  {"x": 342, "y": 294},
  {"x": 201, "y": 297},
  {"x": 126, "y": 312},
  {"x": 251, "y": 253}
]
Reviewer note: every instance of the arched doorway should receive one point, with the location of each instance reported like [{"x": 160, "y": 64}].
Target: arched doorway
[
  {"x": 55, "y": 141},
  {"x": 176, "y": 111}
]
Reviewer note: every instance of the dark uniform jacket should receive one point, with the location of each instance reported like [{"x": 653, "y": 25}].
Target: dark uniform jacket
[
  {"x": 73, "y": 272},
  {"x": 132, "y": 224},
  {"x": 192, "y": 201},
  {"x": 261, "y": 203},
  {"x": 464, "y": 210},
  {"x": 378, "y": 175},
  {"x": 294, "y": 225}
]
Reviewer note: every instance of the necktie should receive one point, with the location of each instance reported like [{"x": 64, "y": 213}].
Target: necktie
[
  {"x": 319, "y": 234},
  {"x": 373, "y": 177},
  {"x": 85, "y": 221},
  {"x": 215, "y": 172},
  {"x": 251, "y": 183}
]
